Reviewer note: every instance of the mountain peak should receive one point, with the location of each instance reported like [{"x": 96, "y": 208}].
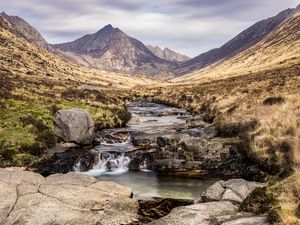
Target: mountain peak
[{"x": 108, "y": 26}]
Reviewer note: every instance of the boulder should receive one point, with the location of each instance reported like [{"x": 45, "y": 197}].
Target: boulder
[
  {"x": 214, "y": 192},
  {"x": 204, "y": 214},
  {"x": 30, "y": 199},
  {"x": 74, "y": 125},
  {"x": 234, "y": 190},
  {"x": 242, "y": 187},
  {"x": 230, "y": 195}
]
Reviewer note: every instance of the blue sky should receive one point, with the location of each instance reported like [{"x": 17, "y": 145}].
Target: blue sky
[{"x": 187, "y": 26}]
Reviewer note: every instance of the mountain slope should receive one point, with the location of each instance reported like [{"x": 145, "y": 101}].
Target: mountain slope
[
  {"x": 279, "y": 49},
  {"x": 112, "y": 49},
  {"x": 241, "y": 42},
  {"x": 29, "y": 32},
  {"x": 167, "y": 54}
]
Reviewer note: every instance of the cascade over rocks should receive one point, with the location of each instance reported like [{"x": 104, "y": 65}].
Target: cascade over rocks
[{"x": 74, "y": 125}]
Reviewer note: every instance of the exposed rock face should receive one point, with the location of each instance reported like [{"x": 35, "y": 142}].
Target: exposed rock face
[
  {"x": 29, "y": 32},
  {"x": 111, "y": 49},
  {"x": 74, "y": 125},
  {"x": 29, "y": 198},
  {"x": 235, "y": 190},
  {"x": 241, "y": 42},
  {"x": 167, "y": 54}
]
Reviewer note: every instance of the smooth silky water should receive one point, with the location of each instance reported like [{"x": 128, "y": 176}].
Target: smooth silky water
[{"x": 113, "y": 163}]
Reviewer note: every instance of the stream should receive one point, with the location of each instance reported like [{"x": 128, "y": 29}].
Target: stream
[{"x": 117, "y": 146}]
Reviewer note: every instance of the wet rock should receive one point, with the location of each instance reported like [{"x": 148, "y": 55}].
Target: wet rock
[
  {"x": 72, "y": 198},
  {"x": 74, "y": 125},
  {"x": 63, "y": 162}
]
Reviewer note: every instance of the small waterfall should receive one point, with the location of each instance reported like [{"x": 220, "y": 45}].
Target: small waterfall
[
  {"x": 77, "y": 167},
  {"x": 110, "y": 163}
]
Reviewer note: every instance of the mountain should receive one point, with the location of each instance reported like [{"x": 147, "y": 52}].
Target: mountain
[
  {"x": 167, "y": 54},
  {"x": 278, "y": 49},
  {"x": 29, "y": 32},
  {"x": 111, "y": 49},
  {"x": 241, "y": 42}
]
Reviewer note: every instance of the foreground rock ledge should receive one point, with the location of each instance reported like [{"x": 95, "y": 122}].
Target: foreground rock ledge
[{"x": 73, "y": 198}]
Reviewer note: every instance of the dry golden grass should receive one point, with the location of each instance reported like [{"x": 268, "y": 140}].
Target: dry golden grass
[{"x": 287, "y": 193}]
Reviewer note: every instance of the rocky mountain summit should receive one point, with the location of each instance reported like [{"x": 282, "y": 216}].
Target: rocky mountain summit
[
  {"x": 167, "y": 54},
  {"x": 112, "y": 49}
]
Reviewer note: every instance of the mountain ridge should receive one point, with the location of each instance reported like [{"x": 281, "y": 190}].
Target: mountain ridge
[
  {"x": 167, "y": 54},
  {"x": 239, "y": 43},
  {"x": 112, "y": 49}
]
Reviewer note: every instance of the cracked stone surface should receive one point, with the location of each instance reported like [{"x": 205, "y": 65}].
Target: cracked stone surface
[{"x": 29, "y": 199}]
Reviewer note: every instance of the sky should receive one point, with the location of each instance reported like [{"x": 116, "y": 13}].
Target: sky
[{"x": 190, "y": 27}]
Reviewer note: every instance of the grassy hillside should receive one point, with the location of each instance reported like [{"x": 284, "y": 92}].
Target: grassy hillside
[{"x": 34, "y": 84}]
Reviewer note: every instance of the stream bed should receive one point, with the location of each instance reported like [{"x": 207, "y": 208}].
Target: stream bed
[{"x": 114, "y": 154}]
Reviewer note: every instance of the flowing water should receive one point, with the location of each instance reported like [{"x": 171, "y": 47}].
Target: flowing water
[{"x": 113, "y": 162}]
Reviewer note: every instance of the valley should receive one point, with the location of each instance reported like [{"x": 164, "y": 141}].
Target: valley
[{"x": 154, "y": 134}]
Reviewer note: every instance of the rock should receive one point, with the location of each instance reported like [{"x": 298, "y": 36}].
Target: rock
[
  {"x": 214, "y": 192},
  {"x": 30, "y": 199},
  {"x": 204, "y": 214},
  {"x": 63, "y": 162},
  {"x": 242, "y": 187},
  {"x": 229, "y": 195},
  {"x": 254, "y": 220},
  {"x": 235, "y": 190},
  {"x": 74, "y": 125}
]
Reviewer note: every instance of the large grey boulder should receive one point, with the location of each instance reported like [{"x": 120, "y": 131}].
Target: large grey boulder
[
  {"x": 74, "y": 125},
  {"x": 29, "y": 199},
  {"x": 235, "y": 190}
]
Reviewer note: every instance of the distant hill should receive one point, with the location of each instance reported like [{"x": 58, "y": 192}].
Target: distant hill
[
  {"x": 167, "y": 54},
  {"x": 238, "y": 44},
  {"x": 278, "y": 49}
]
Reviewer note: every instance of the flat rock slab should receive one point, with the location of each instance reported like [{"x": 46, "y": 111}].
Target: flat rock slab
[
  {"x": 210, "y": 213},
  {"x": 29, "y": 199}
]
